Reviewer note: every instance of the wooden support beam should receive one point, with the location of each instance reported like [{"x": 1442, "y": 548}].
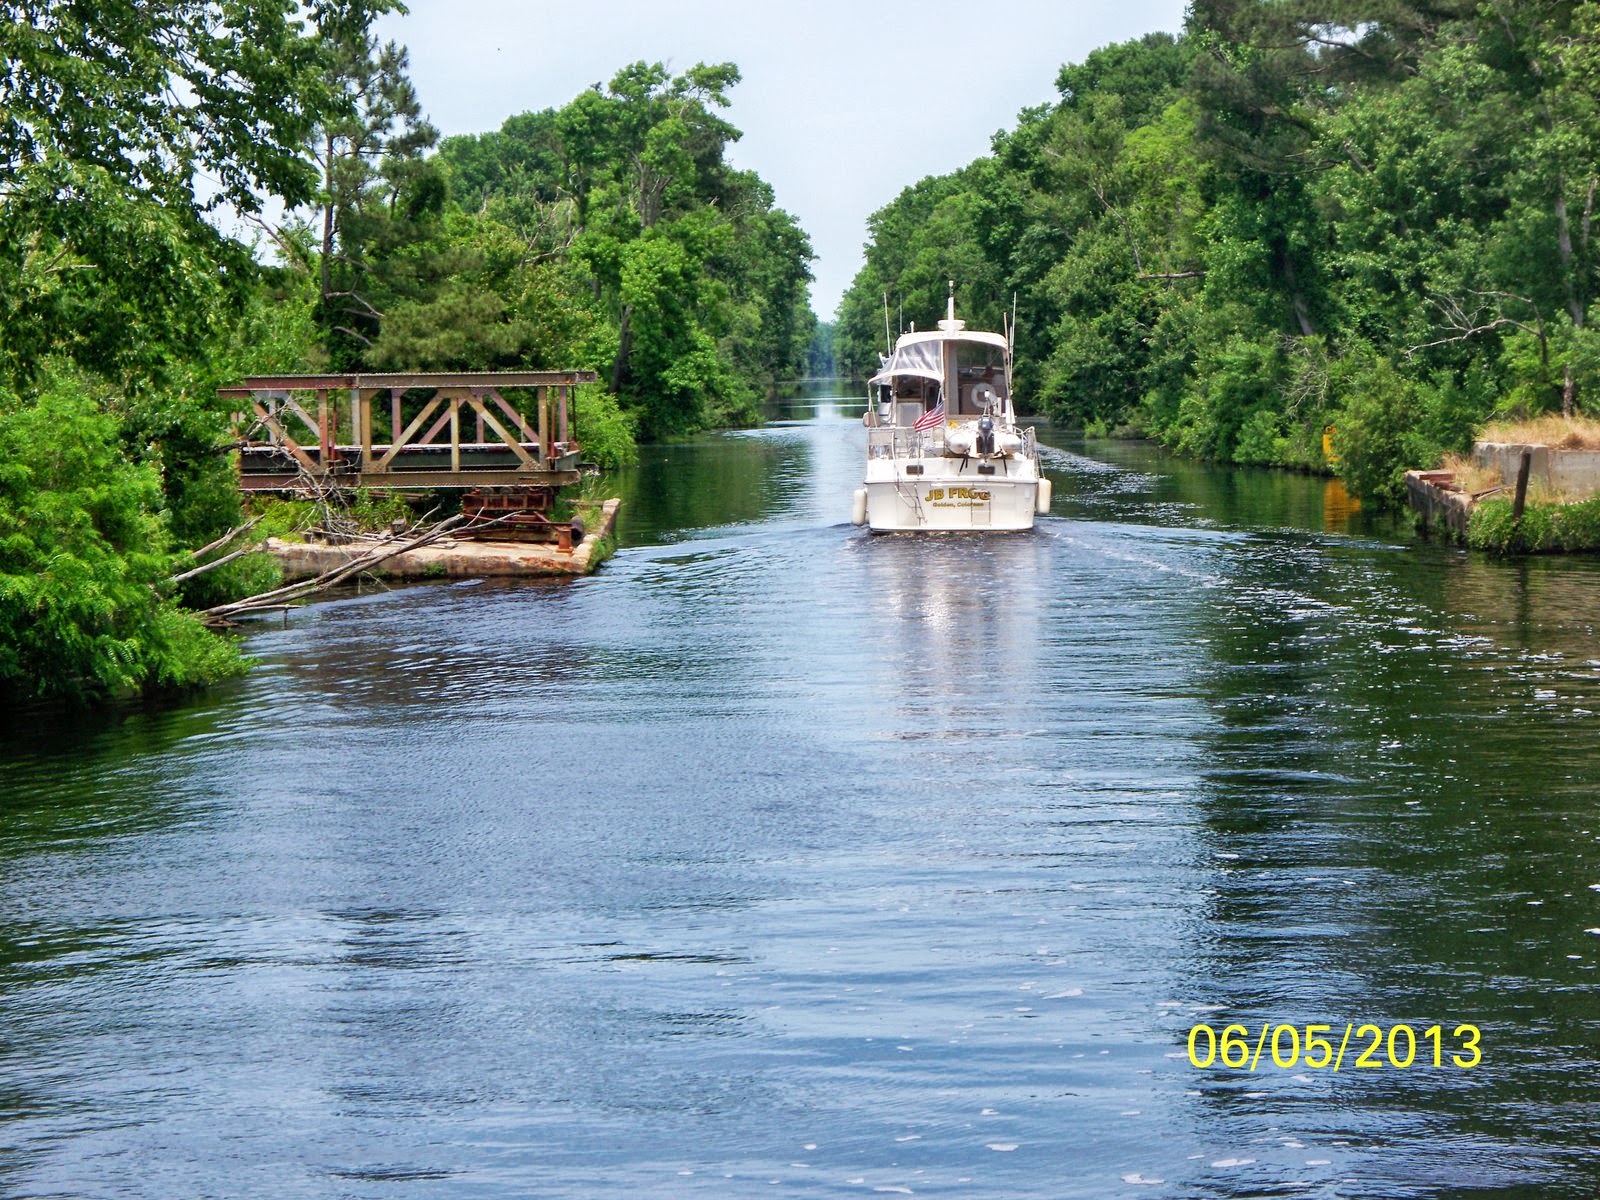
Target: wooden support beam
[{"x": 1521, "y": 497}]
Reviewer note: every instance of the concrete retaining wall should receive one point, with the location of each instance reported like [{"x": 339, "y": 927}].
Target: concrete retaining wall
[
  {"x": 452, "y": 559},
  {"x": 1574, "y": 473},
  {"x": 1439, "y": 507}
]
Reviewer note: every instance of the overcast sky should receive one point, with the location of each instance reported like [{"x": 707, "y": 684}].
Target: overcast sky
[{"x": 843, "y": 102}]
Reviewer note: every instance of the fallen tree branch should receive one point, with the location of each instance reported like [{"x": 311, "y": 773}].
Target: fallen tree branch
[
  {"x": 213, "y": 564},
  {"x": 219, "y": 543},
  {"x": 281, "y": 596}
]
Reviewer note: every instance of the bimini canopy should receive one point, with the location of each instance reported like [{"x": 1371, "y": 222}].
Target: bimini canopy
[{"x": 923, "y": 354}]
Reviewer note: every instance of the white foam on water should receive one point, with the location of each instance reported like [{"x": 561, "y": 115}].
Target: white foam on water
[
  {"x": 1001, "y": 1146},
  {"x": 1135, "y": 1177},
  {"x": 1233, "y": 1162}
]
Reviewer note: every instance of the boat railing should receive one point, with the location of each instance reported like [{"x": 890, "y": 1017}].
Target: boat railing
[
  {"x": 888, "y": 441},
  {"x": 895, "y": 442}
]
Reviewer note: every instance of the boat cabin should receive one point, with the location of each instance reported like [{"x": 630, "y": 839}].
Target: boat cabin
[{"x": 967, "y": 372}]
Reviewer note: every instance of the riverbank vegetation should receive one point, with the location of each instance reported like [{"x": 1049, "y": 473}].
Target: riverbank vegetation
[
  {"x": 608, "y": 234},
  {"x": 1370, "y": 217}
]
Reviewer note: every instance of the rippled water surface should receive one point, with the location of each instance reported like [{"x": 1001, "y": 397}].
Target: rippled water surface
[{"x": 781, "y": 859}]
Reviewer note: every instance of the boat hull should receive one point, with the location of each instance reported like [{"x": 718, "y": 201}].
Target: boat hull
[{"x": 911, "y": 504}]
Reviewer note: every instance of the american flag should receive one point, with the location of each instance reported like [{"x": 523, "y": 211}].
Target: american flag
[{"x": 934, "y": 416}]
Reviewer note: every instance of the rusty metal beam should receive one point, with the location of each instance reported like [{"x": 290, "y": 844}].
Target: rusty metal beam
[
  {"x": 504, "y": 434},
  {"x": 401, "y": 442},
  {"x": 283, "y": 481},
  {"x": 355, "y": 458},
  {"x": 407, "y": 380}
]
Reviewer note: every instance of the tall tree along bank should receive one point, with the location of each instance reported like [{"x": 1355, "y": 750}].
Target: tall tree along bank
[{"x": 1355, "y": 215}]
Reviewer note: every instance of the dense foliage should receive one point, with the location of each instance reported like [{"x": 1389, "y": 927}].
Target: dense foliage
[
  {"x": 1373, "y": 215},
  {"x": 122, "y": 307},
  {"x": 609, "y": 234}
]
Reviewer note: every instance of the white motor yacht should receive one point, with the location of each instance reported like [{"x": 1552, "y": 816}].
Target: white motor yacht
[{"x": 944, "y": 450}]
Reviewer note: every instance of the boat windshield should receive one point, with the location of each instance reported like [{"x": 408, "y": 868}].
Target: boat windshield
[{"x": 925, "y": 359}]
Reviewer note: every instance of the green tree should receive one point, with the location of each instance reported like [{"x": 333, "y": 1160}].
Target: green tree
[
  {"x": 122, "y": 129},
  {"x": 83, "y": 559},
  {"x": 378, "y": 197},
  {"x": 634, "y": 249}
]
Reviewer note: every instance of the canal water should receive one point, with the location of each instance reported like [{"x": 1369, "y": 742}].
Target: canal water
[{"x": 780, "y": 859}]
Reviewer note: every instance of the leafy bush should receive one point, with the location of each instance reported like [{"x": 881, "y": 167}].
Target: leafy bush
[
  {"x": 83, "y": 553},
  {"x": 605, "y": 432},
  {"x": 1374, "y": 436},
  {"x": 1492, "y": 528},
  {"x": 1544, "y": 527}
]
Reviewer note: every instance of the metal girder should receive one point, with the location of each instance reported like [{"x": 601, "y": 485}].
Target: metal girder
[{"x": 406, "y": 380}]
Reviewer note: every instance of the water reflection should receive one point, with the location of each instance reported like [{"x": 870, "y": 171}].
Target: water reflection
[{"x": 778, "y": 856}]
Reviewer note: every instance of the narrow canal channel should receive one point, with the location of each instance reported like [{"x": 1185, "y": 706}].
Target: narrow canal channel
[{"x": 780, "y": 859}]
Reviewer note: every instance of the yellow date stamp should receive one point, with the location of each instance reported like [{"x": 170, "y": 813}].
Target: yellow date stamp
[{"x": 1321, "y": 1047}]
